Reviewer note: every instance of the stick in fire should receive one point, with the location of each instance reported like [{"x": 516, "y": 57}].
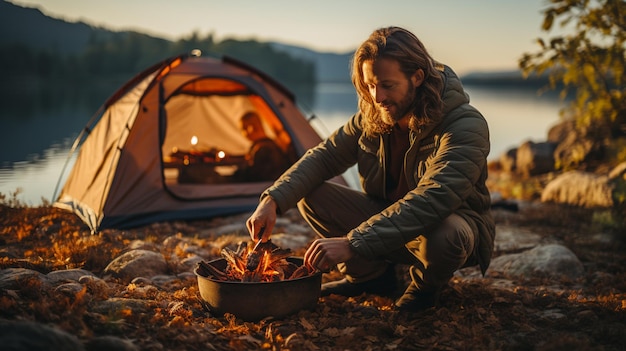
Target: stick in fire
[{"x": 272, "y": 265}]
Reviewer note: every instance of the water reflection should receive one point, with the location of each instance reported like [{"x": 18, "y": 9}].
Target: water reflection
[
  {"x": 35, "y": 180},
  {"x": 515, "y": 116},
  {"x": 34, "y": 119}
]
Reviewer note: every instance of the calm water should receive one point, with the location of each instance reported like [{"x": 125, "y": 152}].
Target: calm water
[{"x": 36, "y": 141}]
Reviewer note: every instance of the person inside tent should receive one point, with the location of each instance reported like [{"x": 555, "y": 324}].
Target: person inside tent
[
  {"x": 421, "y": 151},
  {"x": 265, "y": 160}
]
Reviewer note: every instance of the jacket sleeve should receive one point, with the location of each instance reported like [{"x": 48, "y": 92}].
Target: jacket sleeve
[
  {"x": 448, "y": 179},
  {"x": 328, "y": 159}
]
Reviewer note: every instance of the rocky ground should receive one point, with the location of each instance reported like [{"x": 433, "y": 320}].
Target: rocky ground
[{"x": 557, "y": 283}]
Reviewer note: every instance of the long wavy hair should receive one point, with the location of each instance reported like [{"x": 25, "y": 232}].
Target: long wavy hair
[{"x": 403, "y": 46}]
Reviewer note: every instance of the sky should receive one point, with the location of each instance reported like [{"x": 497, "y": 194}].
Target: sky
[{"x": 469, "y": 35}]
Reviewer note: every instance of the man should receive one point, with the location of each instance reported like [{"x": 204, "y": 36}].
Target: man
[
  {"x": 421, "y": 152},
  {"x": 265, "y": 160}
]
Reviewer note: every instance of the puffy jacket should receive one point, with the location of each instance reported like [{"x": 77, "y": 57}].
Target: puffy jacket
[{"x": 448, "y": 169}]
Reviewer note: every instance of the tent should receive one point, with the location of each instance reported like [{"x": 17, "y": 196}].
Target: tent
[{"x": 167, "y": 144}]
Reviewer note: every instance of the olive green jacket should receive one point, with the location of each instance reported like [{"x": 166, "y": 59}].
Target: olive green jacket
[{"x": 446, "y": 168}]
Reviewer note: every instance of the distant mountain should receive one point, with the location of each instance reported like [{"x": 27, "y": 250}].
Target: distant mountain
[
  {"x": 330, "y": 67},
  {"x": 31, "y": 28},
  {"x": 22, "y": 26},
  {"x": 510, "y": 78}
]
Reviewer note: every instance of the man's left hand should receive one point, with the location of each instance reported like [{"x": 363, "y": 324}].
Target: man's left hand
[{"x": 325, "y": 253}]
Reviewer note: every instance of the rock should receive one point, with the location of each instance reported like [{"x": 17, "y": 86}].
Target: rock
[
  {"x": 142, "y": 245},
  {"x": 165, "y": 281},
  {"x": 195, "y": 250},
  {"x": 508, "y": 160},
  {"x": 550, "y": 260},
  {"x": 13, "y": 278},
  {"x": 553, "y": 314},
  {"x": 137, "y": 263},
  {"x": 186, "y": 276},
  {"x": 291, "y": 241},
  {"x": 141, "y": 281},
  {"x": 535, "y": 158},
  {"x": 66, "y": 276},
  {"x": 69, "y": 289},
  {"x": 144, "y": 291},
  {"x": 172, "y": 241},
  {"x": 117, "y": 305},
  {"x": 28, "y": 336},
  {"x": 579, "y": 189},
  {"x": 94, "y": 284},
  {"x": 190, "y": 263}
]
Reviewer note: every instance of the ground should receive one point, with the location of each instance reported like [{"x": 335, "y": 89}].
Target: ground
[{"x": 534, "y": 314}]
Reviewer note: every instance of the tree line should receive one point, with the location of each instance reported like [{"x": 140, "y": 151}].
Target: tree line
[{"x": 115, "y": 58}]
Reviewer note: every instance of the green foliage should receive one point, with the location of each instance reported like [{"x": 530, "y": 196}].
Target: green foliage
[{"x": 589, "y": 59}]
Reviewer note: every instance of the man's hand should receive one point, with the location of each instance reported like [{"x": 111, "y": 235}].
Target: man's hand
[
  {"x": 325, "y": 253},
  {"x": 263, "y": 219}
]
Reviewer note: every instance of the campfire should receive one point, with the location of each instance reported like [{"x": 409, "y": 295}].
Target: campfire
[
  {"x": 265, "y": 263},
  {"x": 255, "y": 283}
]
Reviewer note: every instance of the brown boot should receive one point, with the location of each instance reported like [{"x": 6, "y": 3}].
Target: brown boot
[
  {"x": 384, "y": 285},
  {"x": 415, "y": 300}
]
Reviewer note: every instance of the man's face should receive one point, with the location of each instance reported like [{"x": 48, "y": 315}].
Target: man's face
[{"x": 390, "y": 89}]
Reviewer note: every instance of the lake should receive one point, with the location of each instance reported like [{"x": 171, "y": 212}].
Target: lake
[{"x": 37, "y": 135}]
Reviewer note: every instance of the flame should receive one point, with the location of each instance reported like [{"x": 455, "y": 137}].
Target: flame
[
  {"x": 264, "y": 269},
  {"x": 272, "y": 265}
]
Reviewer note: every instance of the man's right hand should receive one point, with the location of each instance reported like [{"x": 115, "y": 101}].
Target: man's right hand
[{"x": 263, "y": 219}]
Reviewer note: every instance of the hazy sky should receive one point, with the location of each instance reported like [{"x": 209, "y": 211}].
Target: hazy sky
[{"x": 469, "y": 35}]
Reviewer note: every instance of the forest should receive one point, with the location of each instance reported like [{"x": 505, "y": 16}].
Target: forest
[
  {"x": 43, "y": 54},
  {"x": 113, "y": 57}
]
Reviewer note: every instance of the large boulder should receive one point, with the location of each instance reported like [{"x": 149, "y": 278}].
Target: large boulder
[
  {"x": 17, "y": 278},
  {"x": 137, "y": 263},
  {"x": 551, "y": 260},
  {"x": 535, "y": 158}
]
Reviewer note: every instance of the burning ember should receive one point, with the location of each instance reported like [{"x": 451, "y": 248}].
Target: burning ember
[{"x": 267, "y": 264}]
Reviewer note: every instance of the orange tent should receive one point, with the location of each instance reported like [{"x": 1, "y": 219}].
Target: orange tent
[{"x": 166, "y": 145}]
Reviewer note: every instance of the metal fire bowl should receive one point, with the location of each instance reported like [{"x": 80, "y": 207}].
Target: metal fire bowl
[{"x": 253, "y": 301}]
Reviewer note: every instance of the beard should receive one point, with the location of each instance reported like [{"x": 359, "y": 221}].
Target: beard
[{"x": 392, "y": 113}]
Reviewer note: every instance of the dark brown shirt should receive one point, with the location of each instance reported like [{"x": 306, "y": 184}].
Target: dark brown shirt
[{"x": 396, "y": 184}]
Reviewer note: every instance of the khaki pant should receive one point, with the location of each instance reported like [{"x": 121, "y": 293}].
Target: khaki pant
[{"x": 333, "y": 210}]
